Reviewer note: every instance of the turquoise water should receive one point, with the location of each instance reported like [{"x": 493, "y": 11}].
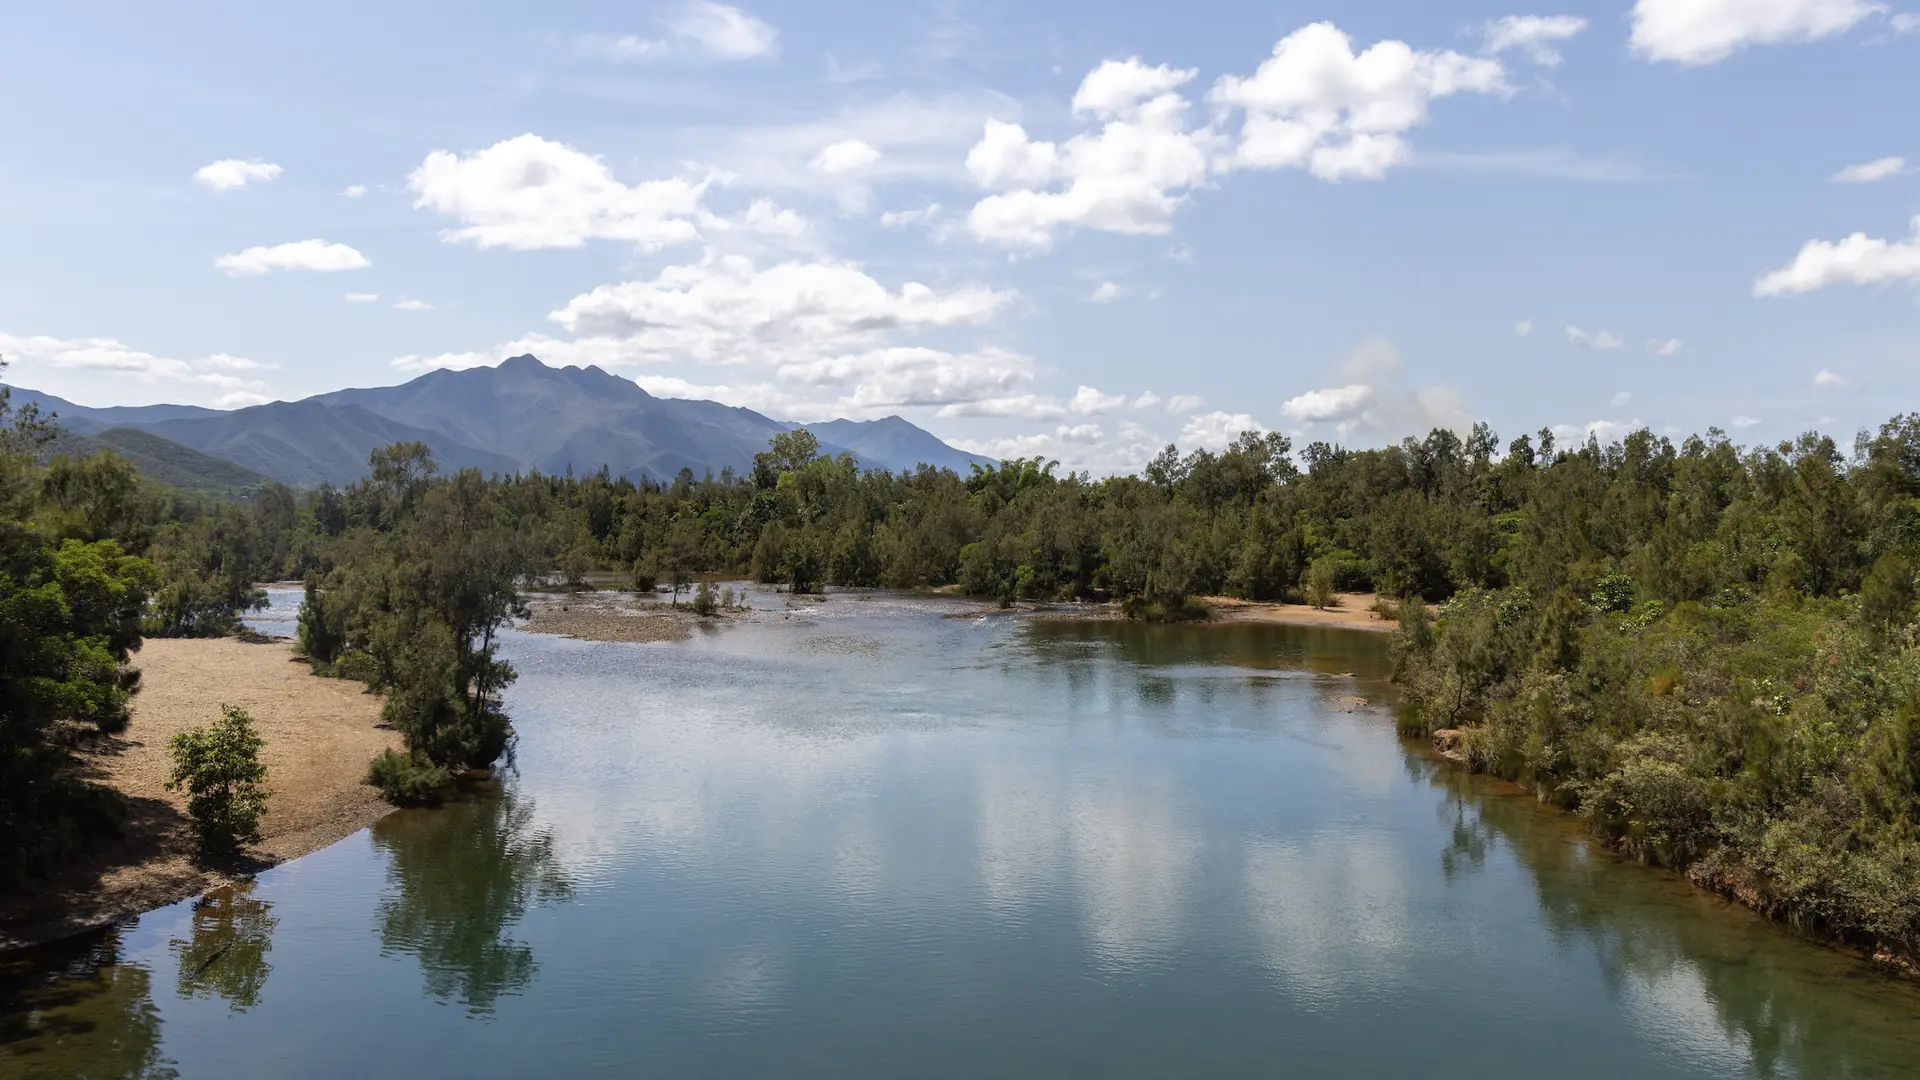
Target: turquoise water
[{"x": 873, "y": 839}]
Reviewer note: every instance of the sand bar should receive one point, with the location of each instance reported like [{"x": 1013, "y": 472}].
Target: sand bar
[{"x": 319, "y": 735}]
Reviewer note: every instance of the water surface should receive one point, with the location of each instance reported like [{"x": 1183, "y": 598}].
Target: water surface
[{"x": 875, "y": 840}]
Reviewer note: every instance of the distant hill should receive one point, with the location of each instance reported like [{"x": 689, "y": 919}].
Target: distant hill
[
  {"x": 519, "y": 416},
  {"x": 307, "y": 443},
  {"x": 85, "y": 421},
  {"x": 163, "y": 461},
  {"x": 894, "y": 440}
]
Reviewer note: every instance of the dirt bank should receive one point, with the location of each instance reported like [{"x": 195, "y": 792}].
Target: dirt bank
[
  {"x": 1353, "y": 612},
  {"x": 319, "y": 735}
]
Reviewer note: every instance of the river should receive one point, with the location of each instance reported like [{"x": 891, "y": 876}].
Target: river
[{"x": 875, "y": 839}]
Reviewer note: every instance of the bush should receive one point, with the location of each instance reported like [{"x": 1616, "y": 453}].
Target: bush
[
  {"x": 1319, "y": 584},
  {"x": 407, "y": 780},
  {"x": 220, "y": 767},
  {"x": 705, "y": 601},
  {"x": 646, "y": 574},
  {"x": 1166, "y": 609}
]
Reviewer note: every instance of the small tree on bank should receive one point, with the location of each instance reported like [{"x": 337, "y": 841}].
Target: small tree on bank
[
  {"x": 1319, "y": 584},
  {"x": 220, "y": 767}
]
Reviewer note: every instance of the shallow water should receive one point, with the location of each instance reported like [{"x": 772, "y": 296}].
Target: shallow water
[{"x": 875, "y": 840}]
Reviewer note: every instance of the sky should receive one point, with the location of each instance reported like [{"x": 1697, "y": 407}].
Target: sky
[{"x": 1075, "y": 230}]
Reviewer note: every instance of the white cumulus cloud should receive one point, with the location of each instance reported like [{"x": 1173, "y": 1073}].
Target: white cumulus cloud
[
  {"x": 1333, "y": 403},
  {"x": 1620, "y": 400},
  {"x": 230, "y": 173},
  {"x": 1366, "y": 393},
  {"x": 362, "y": 297},
  {"x": 354, "y": 191},
  {"x": 1523, "y": 328},
  {"x": 1707, "y": 31},
  {"x": 213, "y": 374},
  {"x": 1215, "y": 430},
  {"x": 1828, "y": 379},
  {"x": 1316, "y": 104},
  {"x": 1869, "y": 171},
  {"x": 317, "y": 255},
  {"x": 1532, "y": 35},
  {"x": 1667, "y": 347},
  {"x": 845, "y": 156},
  {"x": 1745, "y": 421},
  {"x": 1856, "y": 260},
  {"x": 412, "y": 305},
  {"x": 528, "y": 193},
  {"x": 1105, "y": 293},
  {"x": 1127, "y": 177},
  {"x": 724, "y": 309},
  {"x": 962, "y": 384},
  {"x": 1091, "y": 402}
]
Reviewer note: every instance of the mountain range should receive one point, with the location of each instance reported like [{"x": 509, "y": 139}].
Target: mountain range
[{"x": 517, "y": 417}]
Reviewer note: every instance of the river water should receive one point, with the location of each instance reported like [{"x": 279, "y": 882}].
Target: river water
[{"x": 877, "y": 839}]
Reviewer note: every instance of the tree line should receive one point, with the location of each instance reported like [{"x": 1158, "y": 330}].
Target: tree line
[{"x": 1706, "y": 650}]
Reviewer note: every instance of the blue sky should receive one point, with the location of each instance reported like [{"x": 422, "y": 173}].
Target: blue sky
[{"x": 1074, "y": 229}]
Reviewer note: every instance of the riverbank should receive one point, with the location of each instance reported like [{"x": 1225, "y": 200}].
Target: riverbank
[
  {"x": 319, "y": 735},
  {"x": 1351, "y": 611}
]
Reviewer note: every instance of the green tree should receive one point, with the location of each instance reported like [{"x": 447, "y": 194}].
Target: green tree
[{"x": 219, "y": 766}]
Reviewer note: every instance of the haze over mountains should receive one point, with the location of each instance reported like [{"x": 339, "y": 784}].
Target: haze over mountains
[{"x": 519, "y": 416}]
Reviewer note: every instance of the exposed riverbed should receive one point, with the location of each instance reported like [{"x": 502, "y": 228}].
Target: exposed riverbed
[{"x": 889, "y": 836}]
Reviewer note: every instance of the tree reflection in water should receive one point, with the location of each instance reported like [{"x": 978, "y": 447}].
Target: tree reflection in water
[
  {"x": 458, "y": 877},
  {"x": 227, "y": 955},
  {"x": 73, "y": 1009},
  {"x": 1796, "y": 1009}
]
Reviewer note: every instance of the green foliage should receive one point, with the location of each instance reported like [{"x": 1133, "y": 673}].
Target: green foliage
[
  {"x": 1318, "y": 584},
  {"x": 1706, "y": 650},
  {"x": 407, "y": 779},
  {"x": 69, "y": 620},
  {"x": 92, "y": 554},
  {"x": 419, "y": 575},
  {"x": 1887, "y": 596},
  {"x": 220, "y": 767},
  {"x": 646, "y": 576},
  {"x": 706, "y": 600},
  {"x": 209, "y": 567}
]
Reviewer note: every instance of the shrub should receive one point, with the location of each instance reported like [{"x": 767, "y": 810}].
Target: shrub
[
  {"x": 705, "y": 601},
  {"x": 407, "y": 779},
  {"x": 1166, "y": 608},
  {"x": 1319, "y": 584},
  {"x": 220, "y": 767},
  {"x": 646, "y": 574}
]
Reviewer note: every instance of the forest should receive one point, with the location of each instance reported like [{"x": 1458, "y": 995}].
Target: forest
[{"x": 1707, "y": 651}]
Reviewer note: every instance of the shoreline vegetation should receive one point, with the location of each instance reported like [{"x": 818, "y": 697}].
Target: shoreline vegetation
[
  {"x": 1708, "y": 653},
  {"x": 318, "y": 735}
]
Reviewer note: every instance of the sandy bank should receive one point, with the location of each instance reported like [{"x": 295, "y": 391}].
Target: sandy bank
[
  {"x": 1354, "y": 612},
  {"x": 319, "y": 735}
]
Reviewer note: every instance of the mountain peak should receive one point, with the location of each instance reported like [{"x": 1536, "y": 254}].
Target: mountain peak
[{"x": 523, "y": 362}]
